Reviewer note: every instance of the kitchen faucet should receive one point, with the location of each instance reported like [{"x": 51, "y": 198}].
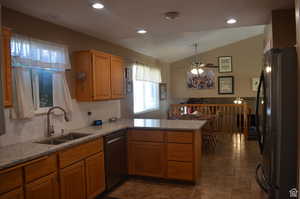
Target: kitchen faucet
[{"x": 50, "y": 128}]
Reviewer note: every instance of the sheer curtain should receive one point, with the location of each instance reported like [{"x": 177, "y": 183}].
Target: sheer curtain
[
  {"x": 146, "y": 81},
  {"x": 30, "y": 54}
]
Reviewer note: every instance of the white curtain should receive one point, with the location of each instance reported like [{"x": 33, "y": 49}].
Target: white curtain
[
  {"x": 61, "y": 94},
  {"x": 29, "y": 54},
  {"x": 23, "y": 107},
  {"x": 147, "y": 73}
]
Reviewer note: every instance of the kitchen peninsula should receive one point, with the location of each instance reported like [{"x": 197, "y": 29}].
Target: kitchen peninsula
[{"x": 169, "y": 149}]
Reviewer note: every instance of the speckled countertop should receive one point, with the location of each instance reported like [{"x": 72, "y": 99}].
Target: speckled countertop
[{"x": 22, "y": 152}]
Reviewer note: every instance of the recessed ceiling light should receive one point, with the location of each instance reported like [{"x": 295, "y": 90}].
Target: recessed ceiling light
[
  {"x": 141, "y": 31},
  {"x": 231, "y": 21},
  {"x": 97, "y": 5},
  {"x": 171, "y": 15}
]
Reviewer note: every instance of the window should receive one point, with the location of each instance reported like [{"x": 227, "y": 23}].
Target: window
[
  {"x": 38, "y": 76},
  {"x": 145, "y": 88},
  {"x": 42, "y": 89}
]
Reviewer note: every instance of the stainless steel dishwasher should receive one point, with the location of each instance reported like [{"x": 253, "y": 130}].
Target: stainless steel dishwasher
[{"x": 115, "y": 148}]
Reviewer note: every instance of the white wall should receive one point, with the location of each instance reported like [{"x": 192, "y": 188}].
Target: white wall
[{"x": 25, "y": 130}]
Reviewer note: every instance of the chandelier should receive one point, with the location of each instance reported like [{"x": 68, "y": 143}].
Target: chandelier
[{"x": 197, "y": 66}]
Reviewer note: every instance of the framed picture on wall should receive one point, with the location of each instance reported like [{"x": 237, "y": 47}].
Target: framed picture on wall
[
  {"x": 225, "y": 64},
  {"x": 255, "y": 83},
  {"x": 162, "y": 91},
  {"x": 225, "y": 85}
]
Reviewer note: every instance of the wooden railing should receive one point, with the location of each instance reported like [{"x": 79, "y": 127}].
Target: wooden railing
[{"x": 231, "y": 118}]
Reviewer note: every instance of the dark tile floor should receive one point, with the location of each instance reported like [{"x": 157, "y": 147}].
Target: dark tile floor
[{"x": 227, "y": 173}]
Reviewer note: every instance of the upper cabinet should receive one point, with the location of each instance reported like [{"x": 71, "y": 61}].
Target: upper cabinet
[
  {"x": 117, "y": 78},
  {"x": 281, "y": 32},
  {"x": 99, "y": 76},
  {"x": 6, "y": 64}
]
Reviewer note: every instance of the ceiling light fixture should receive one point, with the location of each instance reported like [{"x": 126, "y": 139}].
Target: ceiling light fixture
[
  {"x": 171, "y": 15},
  {"x": 141, "y": 31},
  {"x": 231, "y": 21},
  {"x": 197, "y": 66},
  {"x": 98, "y": 6}
]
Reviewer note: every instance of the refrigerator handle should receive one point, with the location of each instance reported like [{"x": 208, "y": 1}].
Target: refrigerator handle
[
  {"x": 261, "y": 179},
  {"x": 261, "y": 81}
]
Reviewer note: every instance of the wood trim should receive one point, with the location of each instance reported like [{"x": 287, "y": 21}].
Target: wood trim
[{"x": 7, "y": 69}]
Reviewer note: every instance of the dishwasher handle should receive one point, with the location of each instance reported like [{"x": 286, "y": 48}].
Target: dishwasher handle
[{"x": 115, "y": 140}]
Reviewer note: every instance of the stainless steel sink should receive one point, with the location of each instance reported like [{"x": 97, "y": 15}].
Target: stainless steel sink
[{"x": 62, "y": 139}]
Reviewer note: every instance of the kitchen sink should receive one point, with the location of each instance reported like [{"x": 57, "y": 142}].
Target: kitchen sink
[{"x": 63, "y": 138}]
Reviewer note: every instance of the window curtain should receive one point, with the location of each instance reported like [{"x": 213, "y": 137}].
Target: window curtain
[
  {"x": 28, "y": 53},
  {"x": 147, "y": 73}
]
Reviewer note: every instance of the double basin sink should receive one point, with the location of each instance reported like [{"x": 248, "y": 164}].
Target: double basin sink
[{"x": 63, "y": 138}]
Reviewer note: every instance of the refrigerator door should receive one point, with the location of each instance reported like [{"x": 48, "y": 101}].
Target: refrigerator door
[{"x": 284, "y": 120}]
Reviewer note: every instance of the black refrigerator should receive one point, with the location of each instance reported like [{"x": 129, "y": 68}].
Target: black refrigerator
[{"x": 276, "y": 120}]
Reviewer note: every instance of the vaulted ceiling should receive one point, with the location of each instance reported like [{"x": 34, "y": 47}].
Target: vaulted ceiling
[{"x": 201, "y": 21}]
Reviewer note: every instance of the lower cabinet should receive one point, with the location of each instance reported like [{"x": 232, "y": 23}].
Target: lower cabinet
[
  {"x": 72, "y": 181},
  {"x": 95, "y": 175},
  {"x": 15, "y": 194},
  {"x": 45, "y": 187},
  {"x": 146, "y": 159}
]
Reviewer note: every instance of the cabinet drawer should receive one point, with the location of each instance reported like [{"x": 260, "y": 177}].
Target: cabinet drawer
[
  {"x": 80, "y": 152},
  {"x": 15, "y": 194},
  {"x": 146, "y": 135},
  {"x": 10, "y": 180},
  {"x": 180, "y": 152},
  {"x": 40, "y": 168},
  {"x": 179, "y": 137},
  {"x": 180, "y": 170}
]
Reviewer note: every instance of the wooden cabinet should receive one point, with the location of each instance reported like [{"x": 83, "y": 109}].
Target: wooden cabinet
[
  {"x": 95, "y": 175},
  {"x": 6, "y": 63},
  {"x": 117, "y": 77},
  {"x": 164, "y": 154},
  {"x": 45, "y": 187},
  {"x": 281, "y": 31},
  {"x": 40, "y": 168},
  {"x": 82, "y": 168},
  {"x": 79, "y": 152},
  {"x": 99, "y": 76},
  {"x": 15, "y": 194},
  {"x": 72, "y": 181},
  {"x": 10, "y": 179},
  {"x": 146, "y": 159}
]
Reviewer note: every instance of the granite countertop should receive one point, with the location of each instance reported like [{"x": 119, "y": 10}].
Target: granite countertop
[{"x": 22, "y": 152}]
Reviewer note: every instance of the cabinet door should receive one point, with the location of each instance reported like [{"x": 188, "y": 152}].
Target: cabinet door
[
  {"x": 101, "y": 76},
  {"x": 117, "y": 77},
  {"x": 6, "y": 63},
  {"x": 146, "y": 159},
  {"x": 72, "y": 182},
  {"x": 15, "y": 194},
  {"x": 95, "y": 175},
  {"x": 46, "y": 188}
]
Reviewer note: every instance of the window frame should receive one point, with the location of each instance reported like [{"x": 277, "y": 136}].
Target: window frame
[
  {"x": 147, "y": 110},
  {"x": 36, "y": 94}
]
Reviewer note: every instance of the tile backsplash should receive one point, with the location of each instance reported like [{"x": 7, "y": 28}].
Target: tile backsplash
[{"x": 25, "y": 130}]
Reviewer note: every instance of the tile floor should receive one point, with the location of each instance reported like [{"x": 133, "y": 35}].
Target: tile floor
[{"x": 227, "y": 173}]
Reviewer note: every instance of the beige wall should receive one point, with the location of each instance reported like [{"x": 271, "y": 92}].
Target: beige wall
[
  {"x": 247, "y": 61},
  {"x": 33, "y": 27}
]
